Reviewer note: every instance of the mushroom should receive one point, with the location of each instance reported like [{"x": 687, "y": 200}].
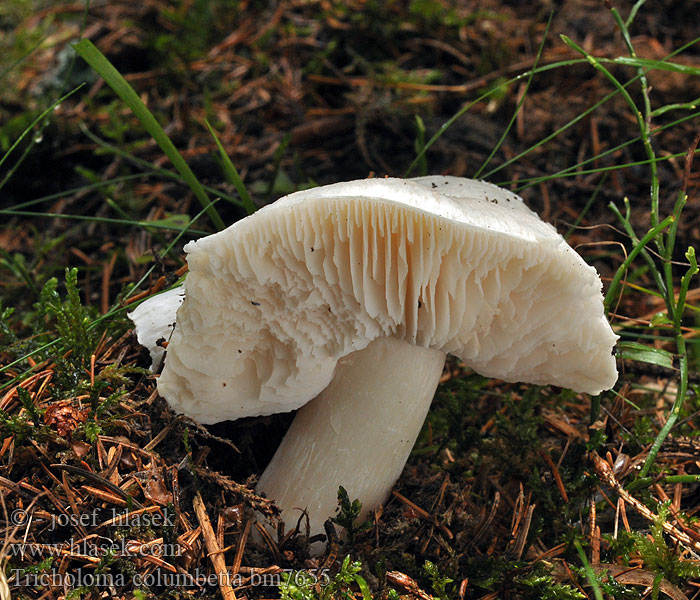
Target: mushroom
[
  {"x": 155, "y": 322},
  {"x": 343, "y": 301}
]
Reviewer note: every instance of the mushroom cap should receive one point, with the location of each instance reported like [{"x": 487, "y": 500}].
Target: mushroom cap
[{"x": 273, "y": 301}]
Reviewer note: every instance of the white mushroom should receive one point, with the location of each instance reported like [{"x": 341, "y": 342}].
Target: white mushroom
[
  {"x": 345, "y": 299},
  {"x": 155, "y": 321}
]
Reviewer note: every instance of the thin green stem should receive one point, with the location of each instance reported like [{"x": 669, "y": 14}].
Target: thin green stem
[
  {"x": 633, "y": 12},
  {"x": 590, "y": 573},
  {"x": 568, "y": 173},
  {"x": 645, "y": 482},
  {"x": 115, "y": 309},
  {"x": 112, "y": 221},
  {"x": 668, "y": 256},
  {"x": 660, "y": 64},
  {"x": 99, "y": 62},
  {"x": 519, "y": 106},
  {"x": 682, "y": 363},
  {"x": 692, "y": 105},
  {"x": 675, "y": 409},
  {"x": 646, "y": 122},
  {"x": 641, "y": 123},
  {"x": 18, "y": 163},
  {"x": 38, "y": 119},
  {"x": 155, "y": 169},
  {"x": 671, "y": 479},
  {"x": 587, "y": 206},
  {"x": 685, "y": 284},
  {"x": 552, "y": 135},
  {"x": 529, "y": 181},
  {"x": 231, "y": 173},
  {"x": 625, "y": 220},
  {"x": 447, "y": 124},
  {"x": 419, "y": 145},
  {"x": 611, "y": 294},
  {"x": 83, "y": 188}
]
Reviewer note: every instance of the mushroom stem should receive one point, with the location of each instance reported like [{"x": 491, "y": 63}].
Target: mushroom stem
[{"x": 357, "y": 433}]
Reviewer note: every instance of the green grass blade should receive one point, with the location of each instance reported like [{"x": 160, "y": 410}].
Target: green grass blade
[
  {"x": 568, "y": 172},
  {"x": 83, "y": 188},
  {"x": 573, "y": 169},
  {"x": 643, "y": 126},
  {"x": 692, "y": 105},
  {"x": 99, "y": 62},
  {"x": 685, "y": 284},
  {"x": 40, "y": 118},
  {"x": 153, "y": 168},
  {"x": 117, "y": 308},
  {"x": 643, "y": 353},
  {"x": 446, "y": 125},
  {"x": 519, "y": 106},
  {"x": 18, "y": 163},
  {"x": 660, "y": 65},
  {"x": 675, "y": 409},
  {"x": 163, "y": 224},
  {"x": 231, "y": 172},
  {"x": 419, "y": 145},
  {"x": 624, "y": 29},
  {"x": 590, "y": 573},
  {"x": 633, "y": 12},
  {"x": 554, "y": 134},
  {"x": 615, "y": 284}
]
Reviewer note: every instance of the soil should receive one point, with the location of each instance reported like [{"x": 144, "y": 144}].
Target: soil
[{"x": 504, "y": 479}]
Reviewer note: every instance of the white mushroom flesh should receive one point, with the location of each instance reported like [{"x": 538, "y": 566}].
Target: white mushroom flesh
[
  {"x": 274, "y": 301},
  {"x": 154, "y": 322}
]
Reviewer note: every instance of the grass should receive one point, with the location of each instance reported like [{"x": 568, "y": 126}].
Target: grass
[{"x": 504, "y": 496}]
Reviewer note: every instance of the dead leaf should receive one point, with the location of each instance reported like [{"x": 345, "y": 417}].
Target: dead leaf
[
  {"x": 155, "y": 489},
  {"x": 632, "y": 576},
  {"x": 81, "y": 449}
]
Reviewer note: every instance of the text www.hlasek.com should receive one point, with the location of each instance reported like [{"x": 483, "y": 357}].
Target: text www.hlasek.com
[{"x": 96, "y": 549}]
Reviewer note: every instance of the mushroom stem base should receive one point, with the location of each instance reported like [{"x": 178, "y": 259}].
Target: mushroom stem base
[{"x": 357, "y": 433}]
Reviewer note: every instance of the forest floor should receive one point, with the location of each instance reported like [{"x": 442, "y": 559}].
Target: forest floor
[{"x": 512, "y": 491}]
